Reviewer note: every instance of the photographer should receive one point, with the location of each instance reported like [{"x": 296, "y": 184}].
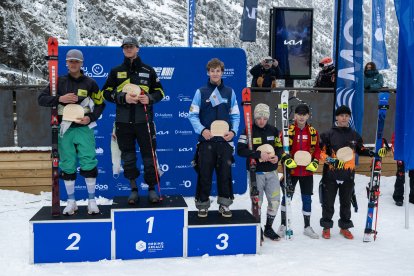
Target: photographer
[{"x": 265, "y": 73}]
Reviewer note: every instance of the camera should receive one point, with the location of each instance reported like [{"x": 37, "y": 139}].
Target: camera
[{"x": 269, "y": 61}]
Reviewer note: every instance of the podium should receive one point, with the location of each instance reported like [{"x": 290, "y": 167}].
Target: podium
[
  {"x": 76, "y": 238},
  {"x": 216, "y": 235},
  {"x": 149, "y": 230},
  {"x": 146, "y": 230}
]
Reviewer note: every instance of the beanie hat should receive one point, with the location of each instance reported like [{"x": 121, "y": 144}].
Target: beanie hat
[
  {"x": 261, "y": 110},
  {"x": 302, "y": 109},
  {"x": 74, "y": 54},
  {"x": 343, "y": 109},
  {"x": 129, "y": 40}
]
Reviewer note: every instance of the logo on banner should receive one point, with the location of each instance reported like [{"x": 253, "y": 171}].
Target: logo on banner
[
  {"x": 141, "y": 246},
  {"x": 164, "y": 73},
  {"x": 186, "y": 183},
  {"x": 99, "y": 151},
  {"x": 183, "y": 114},
  {"x": 228, "y": 73},
  {"x": 183, "y": 98},
  {"x": 122, "y": 187},
  {"x": 97, "y": 71},
  {"x": 164, "y": 115},
  {"x": 185, "y": 149},
  {"x": 184, "y": 132},
  {"x": 163, "y": 132},
  {"x": 164, "y": 150},
  {"x": 183, "y": 166},
  {"x": 101, "y": 187},
  {"x": 164, "y": 167},
  {"x": 166, "y": 99}
]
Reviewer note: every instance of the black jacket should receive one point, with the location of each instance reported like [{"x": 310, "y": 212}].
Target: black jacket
[
  {"x": 334, "y": 139},
  {"x": 83, "y": 86},
  {"x": 267, "y": 135},
  {"x": 137, "y": 73},
  {"x": 268, "y": 75}
]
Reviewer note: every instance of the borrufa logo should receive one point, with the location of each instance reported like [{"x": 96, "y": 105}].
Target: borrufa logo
[
  {"x": 97, "y": 71},
  {"x": 164, "y": 73}
]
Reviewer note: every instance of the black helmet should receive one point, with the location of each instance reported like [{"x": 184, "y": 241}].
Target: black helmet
[{"x": 129, "y": 40}]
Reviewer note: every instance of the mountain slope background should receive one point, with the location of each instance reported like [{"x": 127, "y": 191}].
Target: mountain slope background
[{"x": 26, "y": 25}]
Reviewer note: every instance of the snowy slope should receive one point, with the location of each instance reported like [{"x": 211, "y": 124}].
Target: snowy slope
[
  {"x": 27, "y": 24},
  {"x": 391, "y": 254}
]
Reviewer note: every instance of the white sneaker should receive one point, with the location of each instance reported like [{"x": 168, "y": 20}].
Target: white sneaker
[
  {"x": 308, "y": 231},
  {"x": 282, "y": 231},
  {"x": 92, "y": 207},
  {"x": 70, "y": 208}
]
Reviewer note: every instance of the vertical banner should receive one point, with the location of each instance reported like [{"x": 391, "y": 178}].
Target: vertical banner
[
  {"x": 350, "y": 81},
  {"x": 248, "y": 21},
  {"x": 404, "y": 131},
  {"x": 379, "y": 50},
  {"x": 191, "y": 9}
]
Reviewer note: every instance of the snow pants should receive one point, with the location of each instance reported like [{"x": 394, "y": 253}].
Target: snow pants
[
  {"x": 127, "y": 136},
  {"x": 214, "y": 156}
]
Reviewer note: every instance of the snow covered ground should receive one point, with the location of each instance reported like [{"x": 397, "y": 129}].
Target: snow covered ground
[{"x": 391, "y": 254}]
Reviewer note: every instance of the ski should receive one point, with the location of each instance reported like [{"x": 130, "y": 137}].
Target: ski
[
  {"x": 247, "y": 111},
  {"x": 52, "y": 57},
  {"x": 284, "y": 107},
  {"x": 373, "y": 188}
]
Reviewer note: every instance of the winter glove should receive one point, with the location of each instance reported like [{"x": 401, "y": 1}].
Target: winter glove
[
  {"x": 288, "y": 161},
  {"x": 382, "y": 152},
  {"x": 338, "y": 164},
  {"x": 313, "y": 166}
]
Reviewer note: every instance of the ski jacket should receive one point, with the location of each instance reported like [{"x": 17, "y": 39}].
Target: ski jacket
[
  {"x": 266, "y": 135},
  {"x": 83, "y": 87},
  {"x": 326, "y": 77},
  {"x": 306, "y": 139},
  {"x": 136, "y": 73},
  {"x": 203, "y": 113},
  {"x": 373, "y": 79},
  {"x": 334, "y": 139},
  {"x": 263, "y": 77}
]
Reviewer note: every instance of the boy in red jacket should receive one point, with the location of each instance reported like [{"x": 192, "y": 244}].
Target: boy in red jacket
[{"x": 304, "y": 148}]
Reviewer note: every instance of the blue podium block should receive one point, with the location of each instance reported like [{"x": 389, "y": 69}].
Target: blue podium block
[
  {"x": 149, "y": 230},
  {"x": 216, "y": 235},
  {"x": 76, "y": 238}
]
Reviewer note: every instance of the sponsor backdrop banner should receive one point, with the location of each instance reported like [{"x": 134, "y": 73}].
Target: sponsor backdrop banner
[{"x": 181, "y": 71}]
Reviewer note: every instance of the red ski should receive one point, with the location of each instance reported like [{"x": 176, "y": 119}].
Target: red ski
[
  {"x": 52, "y": 57},
  {"x": 248, "y": 121}
]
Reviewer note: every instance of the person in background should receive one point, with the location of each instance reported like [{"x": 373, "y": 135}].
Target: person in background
[
  {"x": 265, "y": 73},
  {"x": 212, "y": 102},
  {"x": 132, "y": 113},
  {"x": 372, "y": 78},
  {"x": 76, "y": 141},
  {"x": 326, "y": 76},
  {"x": 266, "y": 163},
  {"x": 398, "y": 194}
]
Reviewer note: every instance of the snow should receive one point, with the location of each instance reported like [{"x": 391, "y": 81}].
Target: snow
[{"x": 391, "y": 254}]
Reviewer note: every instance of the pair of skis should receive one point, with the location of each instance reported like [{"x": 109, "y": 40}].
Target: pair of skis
[
  {"x": 373, "y": 188},
  {"x": 254, "y": 193}
]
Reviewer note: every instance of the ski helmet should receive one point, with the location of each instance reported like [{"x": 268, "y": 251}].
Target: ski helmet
[{"x": 325, "y": 62}]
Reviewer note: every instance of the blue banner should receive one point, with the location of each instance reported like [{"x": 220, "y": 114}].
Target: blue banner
[
  {"x": 379, "y": 50},
  {"x": 248, "y": 21},
  {"x": 350, "y": 82},
  {"x": 404, "y": 131},
  {"x": 191, "y": 9},
  {"x": 181, "y": 71}
]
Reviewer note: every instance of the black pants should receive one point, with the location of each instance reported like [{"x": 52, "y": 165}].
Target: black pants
[
  {"x": 216, "y": 156},
  {"x": 330, "y": 189},
  {"x": 400, "y": 181},
  {"x": 127, "y": 135}
]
